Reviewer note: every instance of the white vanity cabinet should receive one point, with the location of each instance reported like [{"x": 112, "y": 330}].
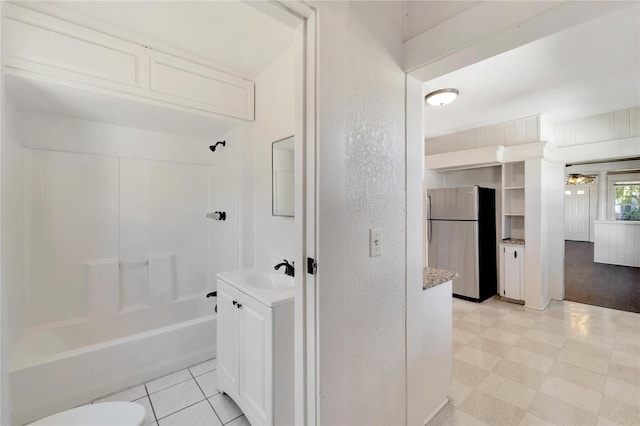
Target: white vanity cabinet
[
  {"x": 512, "y": 271},
  {"x": 255, "y": 355}
]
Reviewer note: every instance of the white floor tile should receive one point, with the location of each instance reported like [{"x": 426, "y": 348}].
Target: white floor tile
[
  {"x": 626, "y": 359},
  {"x": 585, "y": 361},
  {"x": 555, "y": 411},
  {"x": 175, "y": 398},
  {"x": 501, "y": 336},
  {"x": 519, "y": 373},
  {"x": 548, "y": 338},
  {"x": 458, "y": 391},
  {"x": 519, "y": 319},
  {"x": 240, "y": 421},
  {"x": 476, "y": 357},
  {"x": 204, "y": 367},
  {"x": 508, "y": 391},
  {"x": 463, "y": 337},
  {"x": 208, "y": 383},
  {"x": 491, "y": 410},
  {"x": 619, "y": 412},
  {"x": 452, "y": 416},
  {"x": 622, "y": 391},
  {"x": 130, "y": 394},
  {"x": 224, "y": 406},
  {"x": 529, "y": 359},
  {"x": 200, "y": 414},
  {"x": 570, "y": 393},
  {"x": 627, "y": 338},
  {"x": 531, "y": 420},
  {"x": 480, "y": 318},
  {"x": 578, "y": 376},
  {"x": 168, "y": 380},
  {"x": 149, "y": 418}
]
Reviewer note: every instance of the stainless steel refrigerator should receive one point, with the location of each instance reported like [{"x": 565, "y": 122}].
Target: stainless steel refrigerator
[{"x": 461, "y": 237}]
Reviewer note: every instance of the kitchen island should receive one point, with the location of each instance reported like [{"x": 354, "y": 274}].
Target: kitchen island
[
  {"x": 436, "y": 337},
  {"x": 617, "y": 242}
]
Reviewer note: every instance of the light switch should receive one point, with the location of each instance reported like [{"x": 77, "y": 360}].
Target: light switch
[{"x": 375, "y": 244}]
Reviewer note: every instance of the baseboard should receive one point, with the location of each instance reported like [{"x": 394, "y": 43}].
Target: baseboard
[{"x": 436, "y": 411}]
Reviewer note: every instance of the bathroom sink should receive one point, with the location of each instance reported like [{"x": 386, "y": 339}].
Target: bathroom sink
[{"x": 270, "y": 281}]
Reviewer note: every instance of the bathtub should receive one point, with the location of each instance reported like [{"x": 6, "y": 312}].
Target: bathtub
[{"x": 55, "y": 369}]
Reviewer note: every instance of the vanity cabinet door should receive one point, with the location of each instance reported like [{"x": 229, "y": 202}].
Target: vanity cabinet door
[
  {"x": 228, "y": 330},
  {"x": 256, "y": 359}
]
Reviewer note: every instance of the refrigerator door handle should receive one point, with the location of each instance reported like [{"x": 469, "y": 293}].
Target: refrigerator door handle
[{"x": 429, "y": 227}]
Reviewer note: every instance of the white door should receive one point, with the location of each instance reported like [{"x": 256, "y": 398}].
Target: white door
[
  {"x": 228, "y": 330},
  {"x": 256, "y": 366},
  {"x": 576, "y": 213},
  {"x": 512, "y": 261}
]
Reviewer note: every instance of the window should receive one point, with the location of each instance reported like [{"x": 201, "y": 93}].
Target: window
[{"x": 627, "y": 201}]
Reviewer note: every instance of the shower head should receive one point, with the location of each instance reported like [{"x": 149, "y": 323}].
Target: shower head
[{"x": 213, "y": 147}]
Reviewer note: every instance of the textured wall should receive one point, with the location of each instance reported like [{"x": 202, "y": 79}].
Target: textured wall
[{"x": 375, "y": 198}]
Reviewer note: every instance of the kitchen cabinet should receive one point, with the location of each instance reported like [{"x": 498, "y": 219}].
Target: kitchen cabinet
[
  {"x": 44, "y": 49},
  {"x": 512, "y": 271},
  {"x": 255, "y": 355}
]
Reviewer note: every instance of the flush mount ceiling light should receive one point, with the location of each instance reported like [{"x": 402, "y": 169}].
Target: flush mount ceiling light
[{"x": 442, "y": 97}]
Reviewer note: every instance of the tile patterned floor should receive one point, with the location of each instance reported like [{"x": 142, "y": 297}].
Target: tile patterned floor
[
  {"x": 186, "y": 397},
  {"x": 572, "y": 364}
]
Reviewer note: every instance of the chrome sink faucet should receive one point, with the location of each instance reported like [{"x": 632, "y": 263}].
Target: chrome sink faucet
[{"x": 288, "y": 267}]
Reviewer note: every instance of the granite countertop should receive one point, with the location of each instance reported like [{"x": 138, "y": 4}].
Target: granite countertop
[
  {"x": 513, "y": 241},
  {"x": 432, "y": 277}
]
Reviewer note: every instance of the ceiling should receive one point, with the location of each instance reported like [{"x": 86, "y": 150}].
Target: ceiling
[
  {"x": 585, "y": 70},
  {"x": 424, "y": 15},
  {"x": 228, "y": 33}
]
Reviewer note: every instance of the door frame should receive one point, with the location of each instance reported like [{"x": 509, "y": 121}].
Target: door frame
[{"x": 305, "y": 210}]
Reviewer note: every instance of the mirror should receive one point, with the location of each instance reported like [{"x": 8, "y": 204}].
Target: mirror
[{"x": 282, "y": 177}]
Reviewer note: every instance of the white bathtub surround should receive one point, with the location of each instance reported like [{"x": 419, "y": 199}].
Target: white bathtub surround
[
  {"x": 118, "y": 255},
  {"x": 617, "y": 242}
]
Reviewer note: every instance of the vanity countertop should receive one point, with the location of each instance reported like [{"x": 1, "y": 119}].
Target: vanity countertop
[
  {"x": 432, "y": 277},
  {"x": 241, "y": 280}
]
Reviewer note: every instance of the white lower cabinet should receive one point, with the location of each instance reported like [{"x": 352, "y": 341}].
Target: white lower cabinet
[
  {"x": 255, "y": 356},
  {"x": 512, "y": 271}
]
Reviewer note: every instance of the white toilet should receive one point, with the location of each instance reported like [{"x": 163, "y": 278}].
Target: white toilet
[{"x": 100, "y": 414}]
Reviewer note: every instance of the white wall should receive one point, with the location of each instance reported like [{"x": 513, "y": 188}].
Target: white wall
[
  {"x": 5, "y": 328},
  {"x": 515, "y": 132},
  {"x": 361, "y": 164},
  {"x": 612, "y": 125},
  {"x": 544, "y": 233},
  {"x": 13, "y": 230},
  {"x": 553, "y": 227},
  {"x": 275, "y": 119}
]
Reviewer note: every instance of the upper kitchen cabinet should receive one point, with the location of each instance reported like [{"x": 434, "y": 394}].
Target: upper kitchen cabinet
[{"x": 47, "y": 55}]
